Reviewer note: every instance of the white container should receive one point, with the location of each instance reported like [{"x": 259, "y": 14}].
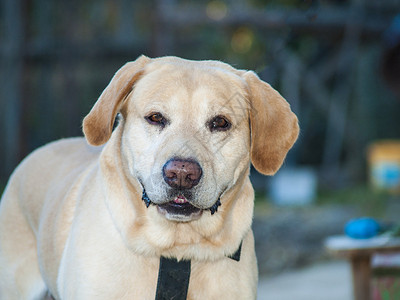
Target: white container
[{"x": 294, "y": 186}]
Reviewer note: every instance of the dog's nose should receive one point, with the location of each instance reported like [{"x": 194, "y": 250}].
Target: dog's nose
[{"x": 182, "y": 173}]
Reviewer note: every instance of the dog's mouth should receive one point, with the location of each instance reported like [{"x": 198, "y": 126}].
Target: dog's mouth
[{"x": 180, "y": 209}]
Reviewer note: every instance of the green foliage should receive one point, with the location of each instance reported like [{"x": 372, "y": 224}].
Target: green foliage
[
  {"x": 361, "y": 199},
  {"x": 373, "y": 203}
]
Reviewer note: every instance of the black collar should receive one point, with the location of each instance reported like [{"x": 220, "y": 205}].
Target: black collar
[{"x": 173, "y": 277}]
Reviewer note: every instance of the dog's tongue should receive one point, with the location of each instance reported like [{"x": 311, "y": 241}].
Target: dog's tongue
[{"x": 180, "y": 199}]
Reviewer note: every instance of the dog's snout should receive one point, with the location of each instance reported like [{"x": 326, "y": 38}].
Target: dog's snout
[{"x": 182, "y": 173}]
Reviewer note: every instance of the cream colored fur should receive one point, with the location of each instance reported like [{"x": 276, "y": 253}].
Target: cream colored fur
[{"x": 72, "y": 221}]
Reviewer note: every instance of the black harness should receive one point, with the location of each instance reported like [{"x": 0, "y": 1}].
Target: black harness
[{"x": 173, "y": 277}]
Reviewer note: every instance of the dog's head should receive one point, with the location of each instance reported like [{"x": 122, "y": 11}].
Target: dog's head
[{"x": 190, "y": 130}]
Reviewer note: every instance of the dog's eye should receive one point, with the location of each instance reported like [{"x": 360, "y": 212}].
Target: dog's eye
[
  {"x": 156, "y": 119},
  {"x": 219, "y": 123}
]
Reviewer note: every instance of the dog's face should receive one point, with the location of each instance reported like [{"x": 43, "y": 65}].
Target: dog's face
[
  {"x": 187, "y": 136},
  {"x": 190, "y": 130}
]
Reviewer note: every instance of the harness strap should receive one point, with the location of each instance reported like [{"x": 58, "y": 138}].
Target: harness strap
[
  {"x": 173, "y": 277},
  {"x": 236, "y": 255}
]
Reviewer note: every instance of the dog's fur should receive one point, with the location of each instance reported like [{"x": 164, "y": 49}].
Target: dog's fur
[{"x": 72, "y": 221}]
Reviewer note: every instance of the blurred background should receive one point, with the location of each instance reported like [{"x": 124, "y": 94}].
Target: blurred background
[{"x": 337, "y": 62}]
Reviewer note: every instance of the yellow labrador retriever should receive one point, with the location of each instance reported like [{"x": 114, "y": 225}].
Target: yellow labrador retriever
[{"x": 81, "y": 221}]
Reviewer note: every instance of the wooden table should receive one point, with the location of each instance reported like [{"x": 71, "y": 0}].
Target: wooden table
[{"x": 359, "y": 253}]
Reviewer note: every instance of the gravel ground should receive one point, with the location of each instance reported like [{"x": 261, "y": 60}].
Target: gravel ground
[
  {"x": 289, "y": 238},
  {"x": 326, "y": 281}
]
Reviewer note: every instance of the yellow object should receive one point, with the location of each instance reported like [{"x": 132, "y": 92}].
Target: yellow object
[{"x": 384, "y": 165}]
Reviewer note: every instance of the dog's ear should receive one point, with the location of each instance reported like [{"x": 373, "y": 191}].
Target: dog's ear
[
  {"x": 98, "y": 124},
  {"x": 274, "y": 127}
]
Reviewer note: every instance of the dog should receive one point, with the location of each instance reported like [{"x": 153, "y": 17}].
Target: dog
[{"x": 90, "y": 218}]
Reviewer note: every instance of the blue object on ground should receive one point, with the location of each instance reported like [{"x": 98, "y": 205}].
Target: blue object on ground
[{"x": 362, "y": 228}]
